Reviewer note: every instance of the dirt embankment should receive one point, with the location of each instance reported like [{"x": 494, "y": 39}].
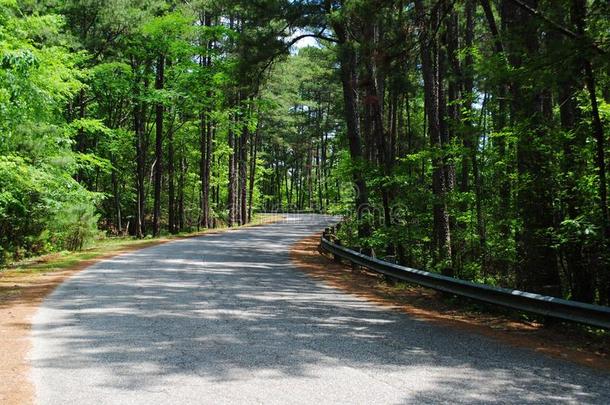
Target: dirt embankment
[{"x": 558, "y": 341}]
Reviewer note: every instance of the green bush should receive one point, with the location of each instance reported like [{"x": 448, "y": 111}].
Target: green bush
[
  {"x": 42, "y": 210},
  {"x": 75, "y": 227}
]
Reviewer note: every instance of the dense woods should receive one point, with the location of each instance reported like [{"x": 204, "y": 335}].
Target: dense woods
[{"x": 466, "y": 137}]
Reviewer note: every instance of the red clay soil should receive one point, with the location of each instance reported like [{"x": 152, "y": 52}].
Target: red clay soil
[
  {"x": 20, "y": 295},
  {"x": 558, "y": 341}
]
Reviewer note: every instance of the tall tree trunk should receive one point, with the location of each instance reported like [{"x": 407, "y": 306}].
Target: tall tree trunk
[
  {"x": 373, "y": 90},
  {"x": 205, "y": 137},
  {"x": 579, "y": 12},
  {"x": 243, "y": 175},
  {"x": 117, "y": 200},
  {"x": 537, "y": 270},
  {"x": 579, "y": 273},
  {"x": 505, "y": 206},
  {"x": 181, "y": 186},
  {"x": 159, "y": 83},
  {"x": 210, "y": 133},
  {"x": 451, "y": 124},
  {"x": 471, "y": 139},
  {"x": 253, "y": 154},
  {"x": 138, "y": 123},
  {"x": 308, "y": 173},
  {"x": 430, "y": 56},
  {"x": 170, "y": 181},
  {"x": 232, "y": 177},
  {"x": 205, "y": 159},
  {"x": 319, "y": 159},
  {"x": 347, "y": 61},
  {"x": 598, "y": 133},
  {"x": 326, "y": 168}
]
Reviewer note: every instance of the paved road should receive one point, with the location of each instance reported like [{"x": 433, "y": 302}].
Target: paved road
[{"x": 227, "y": 319}]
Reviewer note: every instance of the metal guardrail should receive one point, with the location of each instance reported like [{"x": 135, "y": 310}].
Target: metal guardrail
[{"x": 594, "y": 315}]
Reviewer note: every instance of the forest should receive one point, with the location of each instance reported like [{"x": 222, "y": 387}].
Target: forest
[{"x": 465, "y": 137}]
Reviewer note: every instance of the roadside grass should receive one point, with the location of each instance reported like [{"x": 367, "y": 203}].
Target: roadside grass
[{"x": 16, "y": 276}]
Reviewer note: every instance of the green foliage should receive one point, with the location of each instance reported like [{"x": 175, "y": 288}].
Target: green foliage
[
  {"x": 82, "y": 98},
  {"x": 74, "y": 226},
  {"x": 41, "y": 210},
  {"x": 38, "y": 196}
]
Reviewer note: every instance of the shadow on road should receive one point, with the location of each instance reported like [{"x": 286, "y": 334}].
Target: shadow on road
[{"x": 228, "y": 310}]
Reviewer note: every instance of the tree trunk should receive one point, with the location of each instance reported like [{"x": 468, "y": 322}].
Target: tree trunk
[
  {"x": 579, "y": 12},
  {"x": 243, "y": 175},
  {"x": 232, "y": 177},
  {"x": 170, "y": 181},
  {"x": 579, "y": 273},
  {"x": 205, "y": 146},
  {"x": 347, "y": 61},
  {"x": 117, "y": 201},
  {"x": 598, "y": 133},
  {"x": 181, "y": 186},
  {"x": 505, "y": 206},
  {"x": 430, "y": 56},
  {"x": 138, "y": 123},
  {"x": 253, "y": 154},
  {"x": 159, "y": 82},
  {"x": 537, "y": 270},
  {"x": 471, "y": 139}
]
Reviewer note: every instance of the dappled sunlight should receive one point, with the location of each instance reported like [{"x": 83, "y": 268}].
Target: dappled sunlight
[{"x": 215, "y": 313}]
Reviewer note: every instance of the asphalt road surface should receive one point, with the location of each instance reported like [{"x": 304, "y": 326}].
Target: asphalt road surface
[{"x": 227, "y": 319}]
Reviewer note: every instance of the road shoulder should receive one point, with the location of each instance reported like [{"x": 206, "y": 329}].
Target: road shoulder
[
  {"x": 421, "y": 303},
  {"x": 21, "y": 293}
]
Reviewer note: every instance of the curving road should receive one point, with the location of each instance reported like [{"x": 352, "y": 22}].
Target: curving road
[{"x": 227, "y": 319}]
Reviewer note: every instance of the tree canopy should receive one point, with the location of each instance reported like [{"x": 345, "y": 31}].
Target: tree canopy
[{"x": 466, "y": 137}]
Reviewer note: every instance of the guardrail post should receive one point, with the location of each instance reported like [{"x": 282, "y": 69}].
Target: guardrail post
[
  {"x": 337, "y": 258},
  {"x": 355, "y": 267},
  {"x": 389, "y": 279}
]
